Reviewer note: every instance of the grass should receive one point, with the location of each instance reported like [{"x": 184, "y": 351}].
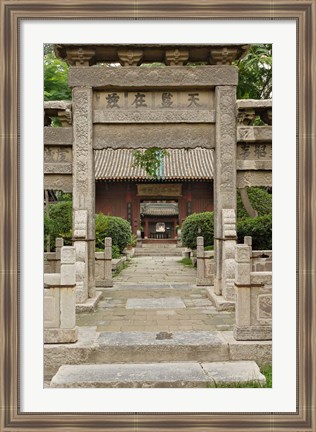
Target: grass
[
  {"x": 265, "y": 370},
  {"x": 187, "y": 262}
]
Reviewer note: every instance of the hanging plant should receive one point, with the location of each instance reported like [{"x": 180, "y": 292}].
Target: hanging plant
[{"x": 151, "y": 160}]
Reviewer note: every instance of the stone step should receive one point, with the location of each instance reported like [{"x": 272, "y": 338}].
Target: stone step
[
  {"x": 148, "y": 347},
  {"x": 158, "y": 375},
  {"x": 149, "y": 252}
]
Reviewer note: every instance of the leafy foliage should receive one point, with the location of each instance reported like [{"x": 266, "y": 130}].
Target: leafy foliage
[
  {"x": 259, "y": 228},
  {"x": 55, "y": 78},
  {"x": 255, "y": 73},
  {"x": 115, "y": 227},
  {"x": 260, "y": 200},
  {"x": 58, "y": 222},
  {"x": 198, "y": 224},
  {"x": 150, "y": 160}
]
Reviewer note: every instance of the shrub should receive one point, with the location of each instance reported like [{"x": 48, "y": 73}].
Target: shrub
[
  {"x": 58, "y": 223},
  {"x": 115, "y": 252},
  {"x": 259, "y": 228},
  {"x": 115, "y": 227},
  {"x": 198, "y": 224},
  {"x": 260, "y": 200}
]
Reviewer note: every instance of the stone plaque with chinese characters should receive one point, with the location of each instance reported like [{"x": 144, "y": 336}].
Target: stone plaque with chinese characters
[
  {"x": 191, "y": 106},
  {"x": 159, "y": 190}
]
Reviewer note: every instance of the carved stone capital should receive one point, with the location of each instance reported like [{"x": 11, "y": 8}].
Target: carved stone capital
[
  {"x": 223, "y": 55},
  {"x": 176, "y": 57},
  {"x": 130, "y": 57},
  {"x": 81, "y": 56}
]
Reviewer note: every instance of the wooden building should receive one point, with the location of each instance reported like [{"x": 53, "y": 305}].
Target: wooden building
[{"x": 156, "y": 206}]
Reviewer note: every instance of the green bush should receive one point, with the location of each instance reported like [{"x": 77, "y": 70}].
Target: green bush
[
  {"x": 58, "y": 222},
  {"x": 260, "y": 200},
  {"x": 115, "y": 252},
  {"x": 198, "y": 224},
  {"x": 115, "y": 227},
  {"x": 259, "y": 228}
]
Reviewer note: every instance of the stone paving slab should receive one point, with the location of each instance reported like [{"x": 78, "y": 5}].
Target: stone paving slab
[
  {"x": 157, "y": 303},
  {"x": 157, "y": 375}
]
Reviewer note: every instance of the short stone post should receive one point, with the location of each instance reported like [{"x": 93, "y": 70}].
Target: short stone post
[
  {"x": 59, "y": 301},
  {"x": 228, "y": 250},
  {"x": 200, "y": 260},
  {"x": 59, "y": 243},
  {"x": 108, "y": 282}
]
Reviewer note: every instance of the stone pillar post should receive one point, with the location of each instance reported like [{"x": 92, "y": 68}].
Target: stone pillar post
[
  {"x": 146, "y": 229},
  {"x": 200, "y": 268},
  {"x": 59, "y": 243},
  {"x": 108, "y": 262},
  {"x": 83, "y": 171},
  {"x": 225, "y": 170}
]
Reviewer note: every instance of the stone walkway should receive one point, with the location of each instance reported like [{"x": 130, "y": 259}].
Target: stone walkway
[{"x": 156, "y": 294}]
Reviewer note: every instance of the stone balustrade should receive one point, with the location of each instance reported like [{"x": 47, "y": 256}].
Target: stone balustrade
[
  {"x": 52, "y": 259},
  {"x": 205, "y": 264},
  {"x": 253, "y": 298},
  {"x": 60, "y": 301}
]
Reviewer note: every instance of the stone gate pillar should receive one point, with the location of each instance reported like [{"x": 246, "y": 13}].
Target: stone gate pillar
[
  {"x": 225, "y": 171},
  {"x": 83, "y": 171}
]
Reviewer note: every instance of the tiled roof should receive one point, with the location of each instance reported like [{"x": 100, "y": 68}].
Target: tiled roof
[
  {"x": 180, "y": 164},
  {"x": 159, "y": 209}
]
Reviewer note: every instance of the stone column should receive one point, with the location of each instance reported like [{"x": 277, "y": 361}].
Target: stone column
[
  {"x": 225, "y": 170},
  {"x": 146, "y": 229},
  {"x": 200, "y": 270},
  {"x": 80, "y": 229},
  {"x": 83, "y": 171}
]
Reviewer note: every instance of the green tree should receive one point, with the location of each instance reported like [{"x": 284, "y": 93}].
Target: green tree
[
  {"x": 55, "y": 78},
  {"x": 255, "y": 73}
]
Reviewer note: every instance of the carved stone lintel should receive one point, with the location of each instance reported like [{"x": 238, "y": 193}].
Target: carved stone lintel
[
  {"x": 176, "y": 57},
  {"x": 130, "y": 57},
  {"x": 223, "y": 55},
  {"x": 61, "y": 182},
  {"x": 81, "y": 56}
]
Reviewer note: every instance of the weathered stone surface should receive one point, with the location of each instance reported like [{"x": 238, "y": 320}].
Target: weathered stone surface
[
  {"x": 143, "y": 136},
  {"x": 234, "y": 372},
  {"x": 143, "y": 78},
  {"x": 254, "y": 103},
  {"x": 159, "y": 375},
  {"x": 254, "y": 178},
  {"x": 89, "y": 305},
  {"x": 51, "y": 308},
  {"x": 243, "y": 165},
  {"x": 61, "y": 182},
  {"x": 253, "y": 333},
  {"x": 261, "y": 278},
  {"x": 58, "y": 136},
  {"x": 52, "y": 279},
  {"x": 176, "y": 57},
  {"x": 265, "y": 308},
  {"x": 132, "y": 375},
  {"x": 254, "y": 133},
  {"x": 57, "y": 154},
  {"x": 155, "y": 303},
  {"x": 154, "y": 116},
  {"x": 57, "y": 168},
  {"x": 67, "y": 308},
  {"x": 130, "y": 57},
  {"x": 60, "y": 335},
  {"x": 243, "y": 307},
  {"x": 259, "y": 351}
]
